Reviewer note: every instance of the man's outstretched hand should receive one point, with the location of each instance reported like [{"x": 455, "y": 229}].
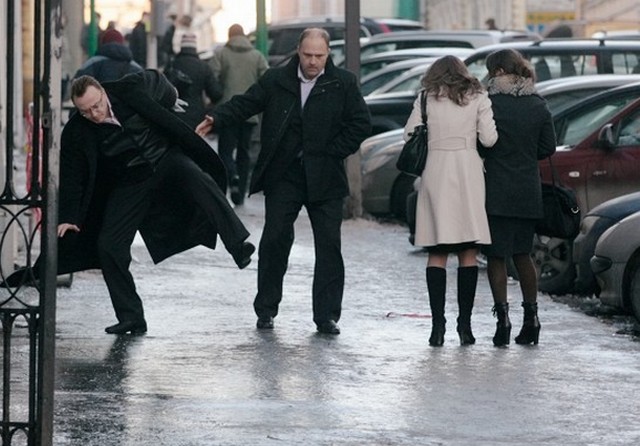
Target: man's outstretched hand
[
  {"x": 205, "y": 126},
  {"x": 64, "y": 227}
]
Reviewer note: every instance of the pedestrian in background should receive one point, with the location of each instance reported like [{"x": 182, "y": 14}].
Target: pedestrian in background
[
  {"x": 450, "y": 214},
  {"x": 314, "y": 117},
  {"x": 129, "y": 164},
  {"x": 514, "y": 198},
  {"x": 183, "y": 25},
  {"x": 165, "y": 46},
  {"x": 194, "y": 79},
  {"x": 237, "y": 65},
  {"x": 138, "y": 40},
  {"x": 112, "y": 61}
]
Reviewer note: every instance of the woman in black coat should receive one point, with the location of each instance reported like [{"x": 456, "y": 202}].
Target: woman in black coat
[{"x": 514, "y": 198}]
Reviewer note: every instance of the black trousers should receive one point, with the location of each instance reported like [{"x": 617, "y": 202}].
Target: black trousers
[
  {"x": 283, "y": 203},
  {"x": 127, "y": 207},
  {"x": 236, "y": 138}
]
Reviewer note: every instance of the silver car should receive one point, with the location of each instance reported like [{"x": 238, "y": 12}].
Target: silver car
[{"x": 616, "y": 264}]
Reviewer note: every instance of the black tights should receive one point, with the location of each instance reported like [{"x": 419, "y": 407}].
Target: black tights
[{"x": 528, "y": 277}]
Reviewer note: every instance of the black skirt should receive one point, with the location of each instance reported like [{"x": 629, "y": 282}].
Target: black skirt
[{"x": 509, "y": 236}]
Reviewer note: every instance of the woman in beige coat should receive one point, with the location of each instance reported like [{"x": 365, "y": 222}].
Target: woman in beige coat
[{"x": 450, "y": 214}]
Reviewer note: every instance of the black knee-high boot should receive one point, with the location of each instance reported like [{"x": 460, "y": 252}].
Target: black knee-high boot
[
  {"x": 530, "y": 331},
  {"x": 467, "y": 282},
  {"x": 437, "y": 287}
]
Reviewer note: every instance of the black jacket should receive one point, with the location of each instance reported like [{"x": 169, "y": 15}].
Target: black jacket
[
  {"x": 111, "y": 62},
  {"x": 169, "y": 227},
  {"x": 200, "y": 80},
  {"x": 335, "y": 121},
  {"x": 525, "y": 135}
]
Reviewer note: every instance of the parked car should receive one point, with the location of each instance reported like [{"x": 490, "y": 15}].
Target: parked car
[
  {"x": 554, "y": 58},
  {"x": 373, "y": 62},
  {"x": 446, "y": 38},
  {"x": 384, "y": 188},
  {"x": 603, "y": 166},
  {"x": 616, "y": 265},
  {"x": 565, "y": 91},
  {"x": 395, "y": 25},
  {"x": 282, "y": 36},
  {"x": 594, "y": 224},
  {"x": 378, "y": 78}
]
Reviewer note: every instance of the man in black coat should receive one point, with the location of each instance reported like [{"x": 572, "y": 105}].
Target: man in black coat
[
  {"x": 313, "y": 118},
  {"x": 128, "y": 164},
  {"x": 194, "y": 80}
]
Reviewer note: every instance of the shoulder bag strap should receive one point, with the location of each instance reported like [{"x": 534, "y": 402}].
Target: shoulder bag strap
[{"x": 423, "y": 106}]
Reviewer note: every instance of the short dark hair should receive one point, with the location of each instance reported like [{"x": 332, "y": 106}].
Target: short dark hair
[{"x": 79, "y": 85}]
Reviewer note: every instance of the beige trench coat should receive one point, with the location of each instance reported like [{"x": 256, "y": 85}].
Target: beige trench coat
[{"x": 451, "y": 197}]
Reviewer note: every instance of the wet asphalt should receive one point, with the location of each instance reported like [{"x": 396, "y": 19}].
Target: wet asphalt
[{"x": 204, "y": 375}]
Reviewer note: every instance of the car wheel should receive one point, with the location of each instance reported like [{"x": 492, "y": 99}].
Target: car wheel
[
  {"x": 634, "y": 285},
  {"x": 402, "y": 187},
  {"x": 554, "y": 261}
]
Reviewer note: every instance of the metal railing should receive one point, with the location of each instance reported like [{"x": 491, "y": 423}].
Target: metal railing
[{"x": 28, "y": 214}]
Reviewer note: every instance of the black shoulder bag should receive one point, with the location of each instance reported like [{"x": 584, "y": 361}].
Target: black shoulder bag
[
  {"x": 561, "y": 211},
  {"x": 413, "y": 156}
]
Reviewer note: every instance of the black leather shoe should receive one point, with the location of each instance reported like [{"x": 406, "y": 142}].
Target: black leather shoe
[
  {"x": 265, "y": 323},
  {"x": 242, "y": 255},
  {"x": 22, "y": 276},
  {"x": 329, "y": 327},
  {"x": 236, "y": 196},
  {"x": 133, "y": 327}
]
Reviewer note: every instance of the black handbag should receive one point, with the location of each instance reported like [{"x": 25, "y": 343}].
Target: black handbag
[
  {"x": 561, "y": 210},
  {"x": 413, "y": 156}
]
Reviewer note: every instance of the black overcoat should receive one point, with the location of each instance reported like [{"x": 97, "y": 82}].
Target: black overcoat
[
  {"x": 170, "y": 227},
  {"x": 335, "y": 121},
  {"x": 525, "y": 135}
]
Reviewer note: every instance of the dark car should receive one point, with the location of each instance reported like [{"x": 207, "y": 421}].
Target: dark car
[{"x": 282, "y": 36}]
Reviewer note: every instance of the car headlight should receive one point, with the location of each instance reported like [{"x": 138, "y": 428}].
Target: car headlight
[{"x": 600, "y": 264}]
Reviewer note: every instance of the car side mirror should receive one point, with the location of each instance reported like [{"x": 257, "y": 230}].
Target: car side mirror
[{"x": 606, "y": 138}]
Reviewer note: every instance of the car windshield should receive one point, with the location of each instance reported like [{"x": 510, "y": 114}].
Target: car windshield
[
  {"x": 580, "y": 126},
  {"x": 410, "y": 84},
  {"x": 377, "y": 82},
  {"x": 559, "y": 100}
]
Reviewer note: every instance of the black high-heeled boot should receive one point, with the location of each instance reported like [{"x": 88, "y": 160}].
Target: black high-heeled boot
[
  {"x": 530, "y": 331},
  {"x": 503, "y": 326},
  {"x": 467, "y": 282},
  {"x": 437, "y": 287}
]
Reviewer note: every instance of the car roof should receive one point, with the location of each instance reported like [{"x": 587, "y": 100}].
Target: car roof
[
  {"x": 420, "y": 52},
  {"x": 476, "y": 38},
  {"x": 584, "y": 81},
  {"x": 556, "y": 45}
]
